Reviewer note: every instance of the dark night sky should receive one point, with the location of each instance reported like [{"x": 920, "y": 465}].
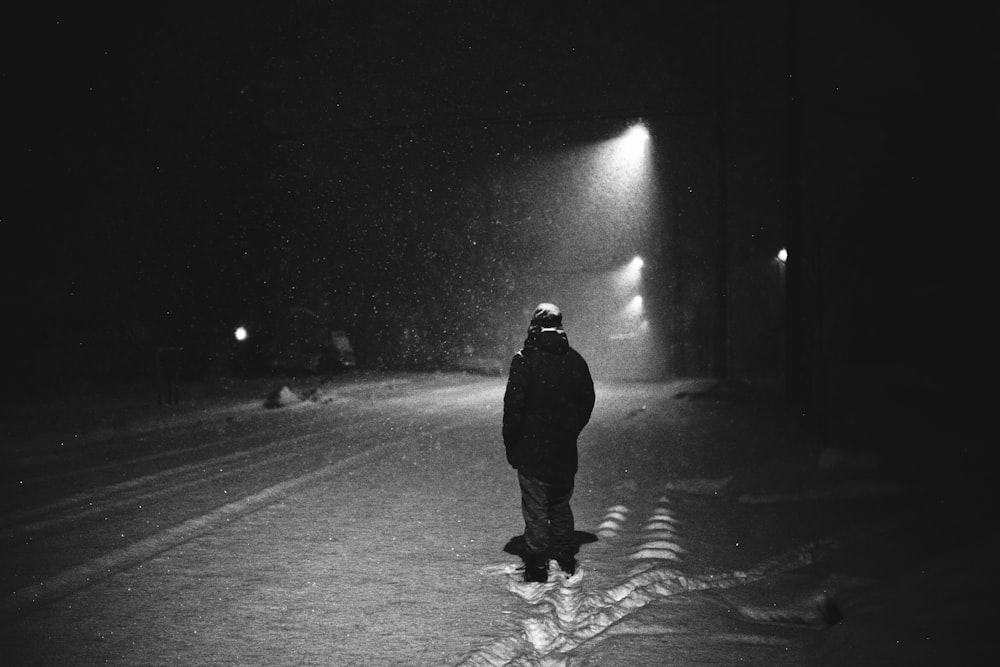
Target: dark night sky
[
  {"x": 147, "y": 136},
  {"x": 162, "y": 152}
]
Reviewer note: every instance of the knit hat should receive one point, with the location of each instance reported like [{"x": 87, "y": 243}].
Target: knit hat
[{"x": 547, "y": 315}]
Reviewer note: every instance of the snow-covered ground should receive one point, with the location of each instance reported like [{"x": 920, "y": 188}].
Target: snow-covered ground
[{"x": 364, "y": 523}]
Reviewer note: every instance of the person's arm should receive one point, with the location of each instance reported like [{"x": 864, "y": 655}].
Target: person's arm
[
  {"x": 587, "y": 397},
  {"x": 514, "y": 401}
]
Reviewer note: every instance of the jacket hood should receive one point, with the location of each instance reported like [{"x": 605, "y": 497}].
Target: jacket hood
[
  {"x": 547, "y": 315},
  {"x": 547, "y": 339}
]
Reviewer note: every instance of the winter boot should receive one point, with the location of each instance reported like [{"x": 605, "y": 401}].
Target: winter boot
[
  {"x": 536, "y": 569},
  {"x": 567, "y": 564}
]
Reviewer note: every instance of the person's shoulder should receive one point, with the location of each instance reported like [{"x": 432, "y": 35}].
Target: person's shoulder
[{"x": 577, "y": 357}]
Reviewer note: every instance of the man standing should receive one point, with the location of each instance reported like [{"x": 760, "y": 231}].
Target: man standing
[{"x": 548, "y": 401}]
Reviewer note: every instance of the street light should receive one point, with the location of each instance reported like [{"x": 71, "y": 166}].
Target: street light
[
  {"x": 628, "y": 276},
  {"x": 629, "y": 153},
  {"x": 607, "y": 202},
  {"x": 633, "y": 142}
]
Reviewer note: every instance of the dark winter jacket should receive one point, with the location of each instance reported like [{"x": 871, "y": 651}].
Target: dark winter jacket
[{"x": 549, "y": 399}]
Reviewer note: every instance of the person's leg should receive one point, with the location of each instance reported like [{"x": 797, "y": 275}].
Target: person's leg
[
  {"x": 563, "y": 542},
  {"x": 535, "y": 509}
]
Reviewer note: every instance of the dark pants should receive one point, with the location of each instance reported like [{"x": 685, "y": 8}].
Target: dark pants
[{"x": 548, "y": 519}]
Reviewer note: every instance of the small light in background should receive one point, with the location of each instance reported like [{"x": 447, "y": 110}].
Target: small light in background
[{"x": 240, "y": 333}]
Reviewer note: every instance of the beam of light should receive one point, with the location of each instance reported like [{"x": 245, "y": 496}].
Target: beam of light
[
  {"x": 240, "y": 333},
  {"x": 634, "y": 308},
  {"x": 629, "y": 153},
  {"x": 621, "y": 170},
  {"x": 628, "y": 276},
  {"x": 605, "y": 201},
  {"x": 634, "y": 268},
  {"x": 630, "y": 322},
  {"x": 632, "y": 144}
]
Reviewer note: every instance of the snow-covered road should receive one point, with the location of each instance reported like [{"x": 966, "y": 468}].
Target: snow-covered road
[{"x": 366, "y": 527}]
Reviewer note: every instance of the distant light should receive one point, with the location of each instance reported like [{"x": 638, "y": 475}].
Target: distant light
[
  {"x": 630, "y": 273},
  {"x": 634, "y": 308},
  {"x": 633, "y": 142},
  {"x": 783, "y": 255},
  {"x": 240, "y": 333},
  {"x": 622, "y": 167},
  {"x": 637, "y": 134}
]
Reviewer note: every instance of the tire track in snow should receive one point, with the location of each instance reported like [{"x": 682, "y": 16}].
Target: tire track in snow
[
  {"x": 370, "y": 419},
  {"x": 146, "y": 487},
  {"x": 567, "y": 616},
  {"x": 16, "y": 605},
  {"x": 166, "y": 482}
]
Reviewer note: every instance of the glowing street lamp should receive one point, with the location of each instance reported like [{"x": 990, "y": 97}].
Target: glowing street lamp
[
  {"x": 627, "y": 277},
  {"x": 633, "y": 143},
  {"x": 634, "y": 308},
  {"x": 632, "y": 271},
  {"x": 629, "y": 152},
  {"x": 635, "y": 139}
]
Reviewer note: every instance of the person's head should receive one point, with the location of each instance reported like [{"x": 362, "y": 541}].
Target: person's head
[{"x": 546, "y": 315}]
